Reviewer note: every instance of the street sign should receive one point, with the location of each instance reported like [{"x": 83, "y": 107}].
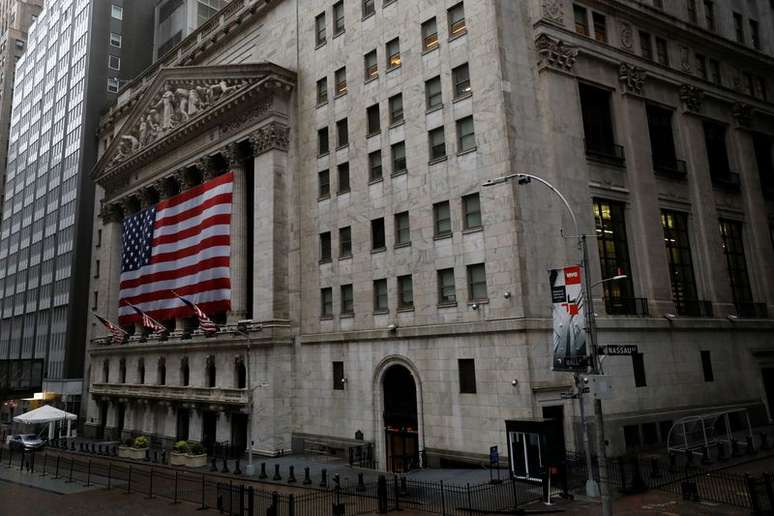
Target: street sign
[
  {"x": 618, "y": 349},
  {"x": 601, "y": 388},
  {"x": 494, "y": 456}
]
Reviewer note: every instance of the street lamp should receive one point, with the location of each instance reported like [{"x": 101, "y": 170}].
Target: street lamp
[
  {"x": 592, "y": 487},
  {"x": 243, "y": 327}
]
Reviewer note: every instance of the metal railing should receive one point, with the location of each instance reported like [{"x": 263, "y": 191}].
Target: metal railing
[
  {"x": 729, "y": 181},
  {"x": 609, "y": 152},
  {"x": 670, "y": 167},
  {"x": 695, "y": 308}
]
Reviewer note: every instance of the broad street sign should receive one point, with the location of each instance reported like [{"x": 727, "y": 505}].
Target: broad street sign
[{"x": 618, "y": 349}]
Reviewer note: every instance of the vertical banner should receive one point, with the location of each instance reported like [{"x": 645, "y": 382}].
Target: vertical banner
[{"x": 569, "y": 319}]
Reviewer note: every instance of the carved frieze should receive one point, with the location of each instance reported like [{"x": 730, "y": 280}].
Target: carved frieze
[
  {"x": 743, "y": 114},
  {"x": 249, "y": 117},
  {"x": 632, "y": 78},
  {"x": 626, "y": 34},
  {"x": 271, "y": 136},
  {"x": 555, "y": 53},
  {"x": 692, "y": 97},
  {"x": 553, "y": 11},
  {"x": 111, "y": 212}
]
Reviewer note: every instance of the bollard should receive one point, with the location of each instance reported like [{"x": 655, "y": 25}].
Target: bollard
[
  {"x": 688, "y": 459},
  {"x": 655, "y": 469},
  {"x": 56, "y": 474},
  {"x": 93, "y": 448},
  {"x": 155, "y": 456},
  {"x": 750, "y": 445},
  {"x": 291, "y": 474},
  {"x": 163, "y": 456},
  {"x": 110, "y": 476},
  {"x": 45, "y": 459},
  {"x": 360, "y": 483},
  {"x": 88, "y": 475},
  {"x": 263, "y": 474},
  {"x": 277, "y": 475},
  {"x": 147, "y": 455},
  {"x": 99, "y": 449},
  {"x": 307, "y": 477},
  {"x": 764, "y": 441},
  {"x": 70, "y": 480},
  {"x": 403, "y": 486},
  {"x": 225, "y": 466},
  {"x": 213, "y": 467},
  {"x": 72, "y": 446},
  {"x": 381, "y": 494},
  {"x": 81, "y": 447},
  {"x": 705, "y": 456},
  {"x": 336, "y": 480},
  {"x": 237, "y": 469},
  {"x": 722, "y": 452},
  {"x": 324, "y": 478},
  {"x": 735, "y": 451},
  {"x": 115, "y": 451}
]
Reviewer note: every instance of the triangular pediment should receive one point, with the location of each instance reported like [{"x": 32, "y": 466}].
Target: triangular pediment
[{"x": 181, "y": 99}]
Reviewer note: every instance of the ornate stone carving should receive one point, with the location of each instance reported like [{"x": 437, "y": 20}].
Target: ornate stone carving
[
  {"x": 552, "y": 10},
  {"x": 268, "y": 137},
  {"x": 555, "y": 53},
  {"x": 632, "y": 78},
  {"x": 627, "y": 35},
  {"x": 692, "y": 97},
  {"x": 252, "y": 115},
  {"x": 743, "y": 114},
  {"x": 111, "y": 212},
  {"x": 163, "y": 188}
]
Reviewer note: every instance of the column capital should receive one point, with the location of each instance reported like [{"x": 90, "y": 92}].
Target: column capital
[
  {"x": 232, "y": 155},
  {"x": 743, "y": 114},
  {"x": 206, "y": 167},
  {"x": 274, "y": 135},
  {"x": 112, "y": 212}
]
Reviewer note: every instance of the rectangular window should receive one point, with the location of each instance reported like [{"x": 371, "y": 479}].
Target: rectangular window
[
  {"x": 347, "y": 300},
  {"x": 405, "y": 292},
  {"x": 343, "y": 172},
  {"x": 338, "y": 18},
  {"x": 678, "y": 249},
  {"x": 95, "y": 300},
  {"x": 324, "y": 184},
  {"x": 471, "y": 211},
  {"x": 338, "y": 376},
  {"x": 322, "y": 91},
  {"x": 326, "y": 302},
  {"x": 662, "y": 143},
  {"x": 319, "y": 23},
  {"x": 446, "y": 288},
  {"x": 371, "y": 67},
  {"x": 342, "y": 133},
  {"x": 375, "y": 166},
  {"x": 113, "y": 84},
  {"x": 393, "y": 53},
  {"x": 377, "y": 234},
  {"x": 581, "y": 20},
  {"x": 662, "y": 51},
  {"x": 755, "y": 35},
  {"x": 646, "y": 45},
  {"x": 341, "y": 81},
  {"x": 466, "y": 136},
  {"x": 372, "y": 115},
  {"x": 114, "y": 62},
  {"x": 613, "y": 250},
  {"x": 598, "y": 123},
  {"x": 322, "y": 141},
  {"x": 706, "y": 366},
  {"x": 733, "y": 248},
  {"x": 398, "y": 151},
  {"x": 717, "y": 153},
  {"x": 457, "y": 21},
  {"x": 429, "y": 35},
  {"x": 715, "y": 69},
  {"x": 380, "y": 296},
  {"x": 600, "y": 27},
  {"x": 437, "y": 143},
  {"x": 467, "y": 368},
  {"x": 433, "y": 95},
  {"x": 117, "y": 12},
  {"x": 402, "y": 229},
  {"x": 690, "y": 6},
  {"x": 115, "y": 40},
  {"x": 477, "y": 282},
  {"x": 638, "y": 364},
  {"x": 396, "y": 109},
  {"x": 442, "y": 219},
  {"x": 762, "y": 147},
  {"x": 325, "y": 246},
  {"x": 709, "y": 15},
  {"x": 701, "y": 66},
  {"x": 368, "y": 8},
  {"x": 739, "y": 27},
  {"x": 345, "y": 242},
  {"x": 461, "y": 81}
]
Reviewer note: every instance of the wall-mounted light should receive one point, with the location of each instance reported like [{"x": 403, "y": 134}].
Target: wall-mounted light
[
  {"x": 670, "y": 317},
  {"x": 474, "y": 306},
  {"x": 507, "y": 294},
  {"x": 392, "y": 327},
  {"x": 514, "y": 382},
  {"x": 732, "y": 317}
]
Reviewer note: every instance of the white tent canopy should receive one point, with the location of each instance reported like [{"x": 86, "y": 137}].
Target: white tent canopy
[{"x": 44, "y": 414}]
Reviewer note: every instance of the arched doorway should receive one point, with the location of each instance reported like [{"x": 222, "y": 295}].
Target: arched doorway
[{"x": 401, "y": 422}]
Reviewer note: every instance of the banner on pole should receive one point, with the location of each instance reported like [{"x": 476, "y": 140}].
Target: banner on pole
[{"x": 569, "y": 319}]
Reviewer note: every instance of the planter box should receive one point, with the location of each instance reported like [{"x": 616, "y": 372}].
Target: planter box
[
  {"x": 196, "y": 461},
  {"x": 126, "y": 452},
  {"x": 178, "y": 459}
]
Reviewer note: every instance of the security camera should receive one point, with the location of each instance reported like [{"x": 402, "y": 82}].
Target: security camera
[
  {"x": 514, "y": 382},
  {"x": 474, "y": 306},
  {"x": 507, "y": 294},
  {"x": 586, "y": 380}
]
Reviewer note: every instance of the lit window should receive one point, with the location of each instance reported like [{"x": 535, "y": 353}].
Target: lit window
[
  {"x": 461, "y": 79},
  {"x": 581, "y": 20},
  {"x": 429, "y": 35},
  {"x": 393, "y": 53},
  {"x": 113, "y": 84},
  {"x": 600, "y": 27},
  {"x": 341, "y": 81},
  {"x": 117, "y": 12},
  {"x": 457, "y": 25},
  {"x": 371, "y": 66}
]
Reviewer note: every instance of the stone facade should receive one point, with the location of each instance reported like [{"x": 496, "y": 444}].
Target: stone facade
[{"x": 319, "y": 368}]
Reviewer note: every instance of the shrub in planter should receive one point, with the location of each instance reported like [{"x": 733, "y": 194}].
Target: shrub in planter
[
  {"x": 182, "y": 447},
  {"x": 134, "y": 448},
  {"x": 178, "y": 457},
  {"x": 196, "y": 458},
  {"x": 195, "y": 449},
  {"x": 141, "y": 442}
]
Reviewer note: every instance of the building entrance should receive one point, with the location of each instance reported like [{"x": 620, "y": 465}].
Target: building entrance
[
  {"x": 103, "y": 412},
  {"x": 183, "y": 421},
  {"x": 209, "y": 429},
  {"x": 400, "y": 419},
  {"x": 239, "y": 432}
]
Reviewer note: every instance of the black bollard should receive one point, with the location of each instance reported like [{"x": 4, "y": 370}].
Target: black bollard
[
  {"x": 81, "y": 447},
  {"x": 291, "y": 474},
  {"x": 225, "y": 465},
  {"x": 99, "y": 449},
  {"x": 764, "y": 441},
  {"x": 638, "y": 484},
  {"x": 263, "y": 474},
  {"x": 72, "y": 444},
  {"x": 705, "y": 456},
  {"x": 163, "y": 456},
  {"x": 360, "y": 483},
  {"x": 722, "y": 452},
  {"x": 237, "y": 469},
  {"x": 688, "y": 459},
  {"x": 307, "y": 477},
  {"x": 324, "y": 478},
  {"x": 735, "y": 451},
  {"x": 403, "y": 486},
  {"x": 115, "y": 451},
  {"x": 655, "y": 469},
  {"x": 93, "y": 448},
  {"x": 155, "y": 456},
  {"x": 277, "y": 475},
  {"x": 214, "y": 466},
  {"x": 750, "y": 445},
  {"x": 147, "y": 455},
  {"x": 336, "y": 480},
  {"x": 672, "y": 462}
]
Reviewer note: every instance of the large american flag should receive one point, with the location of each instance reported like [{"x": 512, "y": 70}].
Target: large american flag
[{"x": 181, "y": 244}]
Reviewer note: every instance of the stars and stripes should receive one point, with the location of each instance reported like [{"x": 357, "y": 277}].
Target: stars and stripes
[
  {"x": 119, "y": 335},
  {"x": 181, "y": 244},
  {"x": 205, "y": 323},
  {"x": 148, "y": 322}
]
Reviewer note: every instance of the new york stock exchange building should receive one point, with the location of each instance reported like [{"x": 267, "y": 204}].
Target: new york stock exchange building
[{"x": 309, "y": 174}]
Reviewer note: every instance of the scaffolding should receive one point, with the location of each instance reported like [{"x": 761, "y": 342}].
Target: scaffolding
[{"x": 694, "y": 434}]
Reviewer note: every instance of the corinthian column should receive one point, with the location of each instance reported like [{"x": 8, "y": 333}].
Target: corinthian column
[
  {"x": 112, "y": 215},
  {"x": 239, "y": 310}
]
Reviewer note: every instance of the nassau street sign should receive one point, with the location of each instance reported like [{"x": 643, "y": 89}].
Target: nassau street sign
[{"x": 618, "y": 349}]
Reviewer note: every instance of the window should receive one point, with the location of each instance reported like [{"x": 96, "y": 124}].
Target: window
[
  {"x": 733, "y": 248},
  {"x": 319, "y": 23},
  {"x": 581, "y": 20},
  {"x": 762, "y": 88},
  {"x": 402, "y": 229},
  {"x": 396, "y": 109},
  {"x": 95, "y": 300},
  {"x": 477, "y": 282},
  {"x": 646, "y": 45},
  {"x": 393, "y": 53},
  {"x": 600, "y": 27},
  {"x": 701, "y": 66},
  {"x": 437, "y": 143},
  {"x": 117, "y": 12},
  {"x": 162, "y": 371},
  {"x": 338, "y": 18},
  {"x": 598, "y": 123},
  {"x": 466, "y": 136},
  {"x": 372, "y": 115},
  {"x": 341, "y": 81},
  {"x": 755, "y": 35},
  {"x": 347, "y": 300},
  {"x": 471, "y": 211},
  {"x": 380, "y": 296},
  {"x": 115, "y": 40},
  {"x": 122, "y": 371},
  {"x": 429, "y": 35},
  {"x": 322, "y": 141},
  {"x": 113, "y": 84},
  {"x": 114, "y": 62},
  {"x": 141, "y": 371},
  {"x": 638, "y": 364},
  {"x": 343, "y": 171},
  {"x": 706, "y": 365},
  {"x": 614, "y": 255},
  {"x": 375, "y": 166},
  {"x": 762, "y": 146},
  {"x": 467, "y": 367},
  {"x": 322, "y": 91},
  {"x": 662, "y": 52},
  {"x": 185, "y": 372},
  {"x": 442, "y": 219},
  {"x": 433, "y": 94},
  {"x": 325, "y": 247},
  {"x": 717, "y": 154},
  {"x": 398, "y": 152},
  {"x": 324, "y": 184},
  {"x": 739, "y": 27},
  {"x": 377, "y": 234},
  {"x": 342, "y": 133},
  {"x": 345, "y": 242},
  {"x": 461, "y": 80},
  {"x": 405, "y": 293},
  {"x": 662, "y": 143},
  {"x": 371, "y": 66},
  {"x": 368, "y": 8},
  {"x": 690, "y": 6},
  {"x": 457, "y": 21},
  {"x": 326, "y": 302},
  {"x": 678, "y": 249},
  {"x": 338, "y": 376},
  {"x": 709, "y": 14},
  {"x": 105, "y": 371},
  {"x": 715, "y": 69},
  {"x": 446, "y": 289}
]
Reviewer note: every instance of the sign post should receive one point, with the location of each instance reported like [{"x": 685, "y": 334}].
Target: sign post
[{"x": 494, "y": 463}]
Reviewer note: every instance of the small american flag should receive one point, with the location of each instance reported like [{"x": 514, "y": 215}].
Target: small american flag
[
  {"x": 205, "y": 323},
  {"x": 119, "y": 335},
  {"x": 182, "y": 243},
  {"x": 149, "y": 322}
]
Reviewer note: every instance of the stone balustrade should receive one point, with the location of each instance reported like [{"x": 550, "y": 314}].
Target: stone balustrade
[{"x": 207, "y": 395}]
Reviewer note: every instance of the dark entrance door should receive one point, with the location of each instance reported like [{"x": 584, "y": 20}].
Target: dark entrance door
[
  {"x": 768, "y": 385},
  {"x": 239, "y": 432},
  {"x": 120, "y": 417},
  {"x": 400, "y": 419},
  {"x": 209, "y": 429},
  {"x": 183, "y": 419},
  {"x": 103, "y": 412}
]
